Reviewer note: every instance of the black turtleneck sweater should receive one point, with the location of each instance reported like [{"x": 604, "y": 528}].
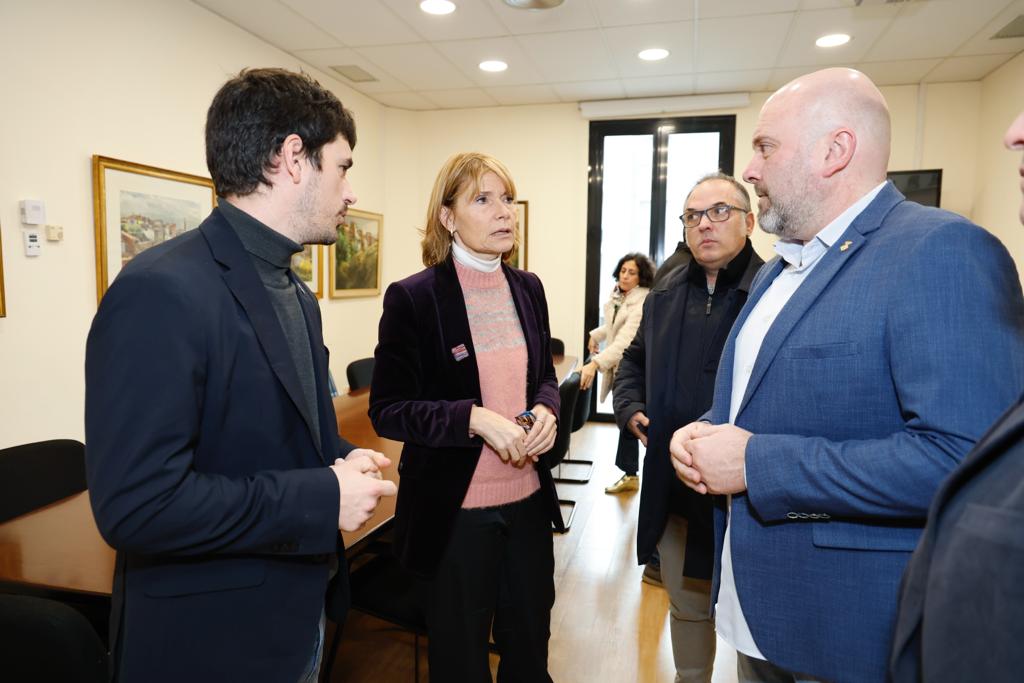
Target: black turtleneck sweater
[{"x": 271, "y": 254}]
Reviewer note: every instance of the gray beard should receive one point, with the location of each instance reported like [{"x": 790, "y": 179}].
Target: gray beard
[{"x": 777, "y": 220}]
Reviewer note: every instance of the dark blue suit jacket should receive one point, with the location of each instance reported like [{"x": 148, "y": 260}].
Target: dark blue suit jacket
[
  {"x": 422, "y": 395},
  {"x": 886, "y": 365},
  {"x": 961, "y": 614},
  {"x": 202, "y": 469}
]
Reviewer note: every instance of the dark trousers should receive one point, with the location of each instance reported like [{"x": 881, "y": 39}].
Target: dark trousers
[
  {"x": 627, "y": 455},
  {"x": 499, "y": 565}
]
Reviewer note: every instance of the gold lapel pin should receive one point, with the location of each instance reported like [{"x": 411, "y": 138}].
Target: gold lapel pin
[{"x": 846, "y": 245}]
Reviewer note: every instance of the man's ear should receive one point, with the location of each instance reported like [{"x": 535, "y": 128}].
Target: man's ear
[
  {"x": 750, "y": 223},
  {"x": 841, "y": 148},
  {"x": 291, "y": 156}
]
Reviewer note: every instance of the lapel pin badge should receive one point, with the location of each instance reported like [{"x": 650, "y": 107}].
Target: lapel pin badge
[
  {"x": 460, "y": 353},
  {"x": 846, "y": 245}
]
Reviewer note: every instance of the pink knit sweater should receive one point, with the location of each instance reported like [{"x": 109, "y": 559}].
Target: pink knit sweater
[{"x": 501, "y": 361}]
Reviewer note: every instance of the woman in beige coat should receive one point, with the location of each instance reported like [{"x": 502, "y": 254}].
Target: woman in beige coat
[{"x": 622, "y": 312}]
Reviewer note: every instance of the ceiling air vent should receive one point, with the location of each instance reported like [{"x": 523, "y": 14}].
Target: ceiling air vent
[
  {"x": 356, "y": 74},
  {"x": 1015, "y": 29}
]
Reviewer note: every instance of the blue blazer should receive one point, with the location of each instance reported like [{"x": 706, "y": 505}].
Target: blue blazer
[
  {"x": 891, "y": 359},
  {"x": 422, "y": 394},
  {"x": 961, "y": 613},
  {"x": 203, "y": 472}
]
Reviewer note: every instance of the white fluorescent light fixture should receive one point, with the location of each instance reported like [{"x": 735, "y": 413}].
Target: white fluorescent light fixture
[
  {"x": 605, "y": 109},
  {"x": 653, "y": 54},
  {"x": 437, "y": 6},
  {"x": 832, "y": 40},
  {"x": 493, "y": 65}
]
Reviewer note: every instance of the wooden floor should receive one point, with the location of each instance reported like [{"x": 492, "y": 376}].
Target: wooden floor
[{"x": 606, "y": 626}]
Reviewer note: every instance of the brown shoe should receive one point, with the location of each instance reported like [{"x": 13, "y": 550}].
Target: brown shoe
[{"x": 628, "y": 482}]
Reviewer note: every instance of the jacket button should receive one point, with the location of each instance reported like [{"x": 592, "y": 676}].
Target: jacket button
[{"x": 792, "y": 515}]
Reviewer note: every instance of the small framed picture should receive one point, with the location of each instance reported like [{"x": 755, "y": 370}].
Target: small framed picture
[
  {"x": 518, "y": 257},
  {"x": 308, "y": 266},
  {"x": 355, "y": 259}
]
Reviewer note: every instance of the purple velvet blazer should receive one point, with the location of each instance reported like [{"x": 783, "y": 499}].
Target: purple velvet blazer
[{"x": 422, "y": 395}]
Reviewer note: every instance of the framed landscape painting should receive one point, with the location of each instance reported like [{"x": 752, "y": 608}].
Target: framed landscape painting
[
  {"x": 136, "y": 207},
  {"x": 355, "y": 259},
  {"x": 308, "y": 266},
  {"x": 518, "y": 257}
]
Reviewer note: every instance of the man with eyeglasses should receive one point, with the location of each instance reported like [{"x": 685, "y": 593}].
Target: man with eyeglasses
[
  {"x": 871, "y": 355},
  {"x": 666, "y": 379}
]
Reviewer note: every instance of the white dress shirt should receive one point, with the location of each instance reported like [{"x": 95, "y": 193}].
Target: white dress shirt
[{"x": 800, "y": 260}]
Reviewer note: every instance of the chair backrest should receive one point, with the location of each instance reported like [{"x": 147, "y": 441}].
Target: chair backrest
[
  {"x": 582, "y": 413},
  {"x": 359, "y": 373},
  {"x": 47, "y": 641},
  {"x": 568, "y": 391},
  {"x": 557, "y": 347},
  {"x": 37, "y": 474}
]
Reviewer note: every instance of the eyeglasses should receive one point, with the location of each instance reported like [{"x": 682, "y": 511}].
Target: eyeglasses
[{"x": 715, "y": 214}]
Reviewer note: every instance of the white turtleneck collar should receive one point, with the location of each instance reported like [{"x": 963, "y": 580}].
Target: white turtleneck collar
[{"x": 469, "y": 260}]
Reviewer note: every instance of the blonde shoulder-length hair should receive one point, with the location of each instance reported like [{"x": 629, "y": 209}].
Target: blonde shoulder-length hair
[{"x": 460, "y": 173}]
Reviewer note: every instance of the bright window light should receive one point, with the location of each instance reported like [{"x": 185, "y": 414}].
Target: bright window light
[
  {"x": 653, "y": 54},
  {"x": 437, "y": 6},
  {"x": 832, "y": 40},
  {"x": 494, "y": 65}
]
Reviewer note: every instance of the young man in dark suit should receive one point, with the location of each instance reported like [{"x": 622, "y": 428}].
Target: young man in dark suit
[
  {"x": 213, "y": 457},
  {"x": 961, "y": 614}
]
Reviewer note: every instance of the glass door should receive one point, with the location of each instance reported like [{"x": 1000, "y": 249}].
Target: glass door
[{"x": 639, "y": 174}]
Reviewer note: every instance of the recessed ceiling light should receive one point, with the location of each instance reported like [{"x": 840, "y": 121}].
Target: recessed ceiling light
[
  {"x": 533, "y": 4},
  {"x": 653, "y": 54},
  {"x": 437, "y": 6},
  {"x": 493, "y": 65},
  {"x": 832, "y": 40}
]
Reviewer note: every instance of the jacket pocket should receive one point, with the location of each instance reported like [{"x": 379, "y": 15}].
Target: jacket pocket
[
  {"x": 832, "y": 350},
  {"x": 851, "y": 536},
  {"x": 191, "y": 577}
]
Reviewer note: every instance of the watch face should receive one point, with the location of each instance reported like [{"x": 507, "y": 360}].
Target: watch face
[{"x": 525, "y": 420}]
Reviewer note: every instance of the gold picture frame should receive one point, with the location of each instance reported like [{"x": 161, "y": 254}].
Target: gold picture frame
[
  {"x": 517, "y": 259},
  {"x": 308, "y": 266},
  {"x": 355, "y": 259},
  {"x": 3, "y": 305},
  {"x": 137, "y": 206}
]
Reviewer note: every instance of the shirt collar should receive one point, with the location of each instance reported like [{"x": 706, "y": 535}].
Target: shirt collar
[{"x": 800, "y": 256}]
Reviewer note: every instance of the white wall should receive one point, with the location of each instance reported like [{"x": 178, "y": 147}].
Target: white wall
[{"x": 132, "y": 79}]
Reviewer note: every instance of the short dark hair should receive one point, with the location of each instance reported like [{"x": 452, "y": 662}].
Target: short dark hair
[
  {"x": 742, "y": 196},
  {"x": 253, "y": 113},
  {"x": 643, "y": 264}
]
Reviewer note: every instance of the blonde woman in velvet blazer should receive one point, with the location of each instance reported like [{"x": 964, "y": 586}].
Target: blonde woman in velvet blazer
[{"x": 622, "y": 312}]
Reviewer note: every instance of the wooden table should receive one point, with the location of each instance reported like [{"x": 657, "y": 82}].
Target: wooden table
[{"x": 58, "y": 547}]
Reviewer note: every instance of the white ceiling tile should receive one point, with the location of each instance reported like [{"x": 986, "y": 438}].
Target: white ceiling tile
[
  {"x": 419, "y": 65},
  {"x": 404, "y": 100},
  {"x": 827, "y": 4},
  {"x": 569, "y": 16},
  {"x": 659, "y": 86},
  {"x": 633, "y": 12},
  {"x": 733, "y": 81},
  {"x": 736, "y": 8},
  {"x": 524, "y": 94},
  {"x": 626, "y": 41},
  {"x": 590, "y": 90},
  {"x": 463, "y": 98},
  {"x": 471, "y": 19},
  {"x": 933, "y": 29},
  {"x": 273, "y": 22},
  {"x": 972, "y": 68},
  {"x": 356, "y": 22},
  {"x": 737, "y": 43},
  {"x": 467, "y": 55},
  {"x": 983, "y": 44},
  {"x": 863, "y": 24},
  {"x": 571, "y": 56},
  {"x": 342, "y": 56},
  {"x": 898, "y": 73}
]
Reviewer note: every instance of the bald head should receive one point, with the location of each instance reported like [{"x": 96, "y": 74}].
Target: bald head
[{"x": 821, "y": 142}]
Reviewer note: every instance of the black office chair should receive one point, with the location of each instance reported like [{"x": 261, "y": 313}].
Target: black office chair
[
  {"x": 37, "y": 474},
  {"x": 45, "y": 641},
  {"x": 381, "y": 588},
  {"x": 557, "y": 347},
  {"x": 580, "y": 416},
  {"x": 568, "y": 392},
  {"x": 359, "y": 373}
]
